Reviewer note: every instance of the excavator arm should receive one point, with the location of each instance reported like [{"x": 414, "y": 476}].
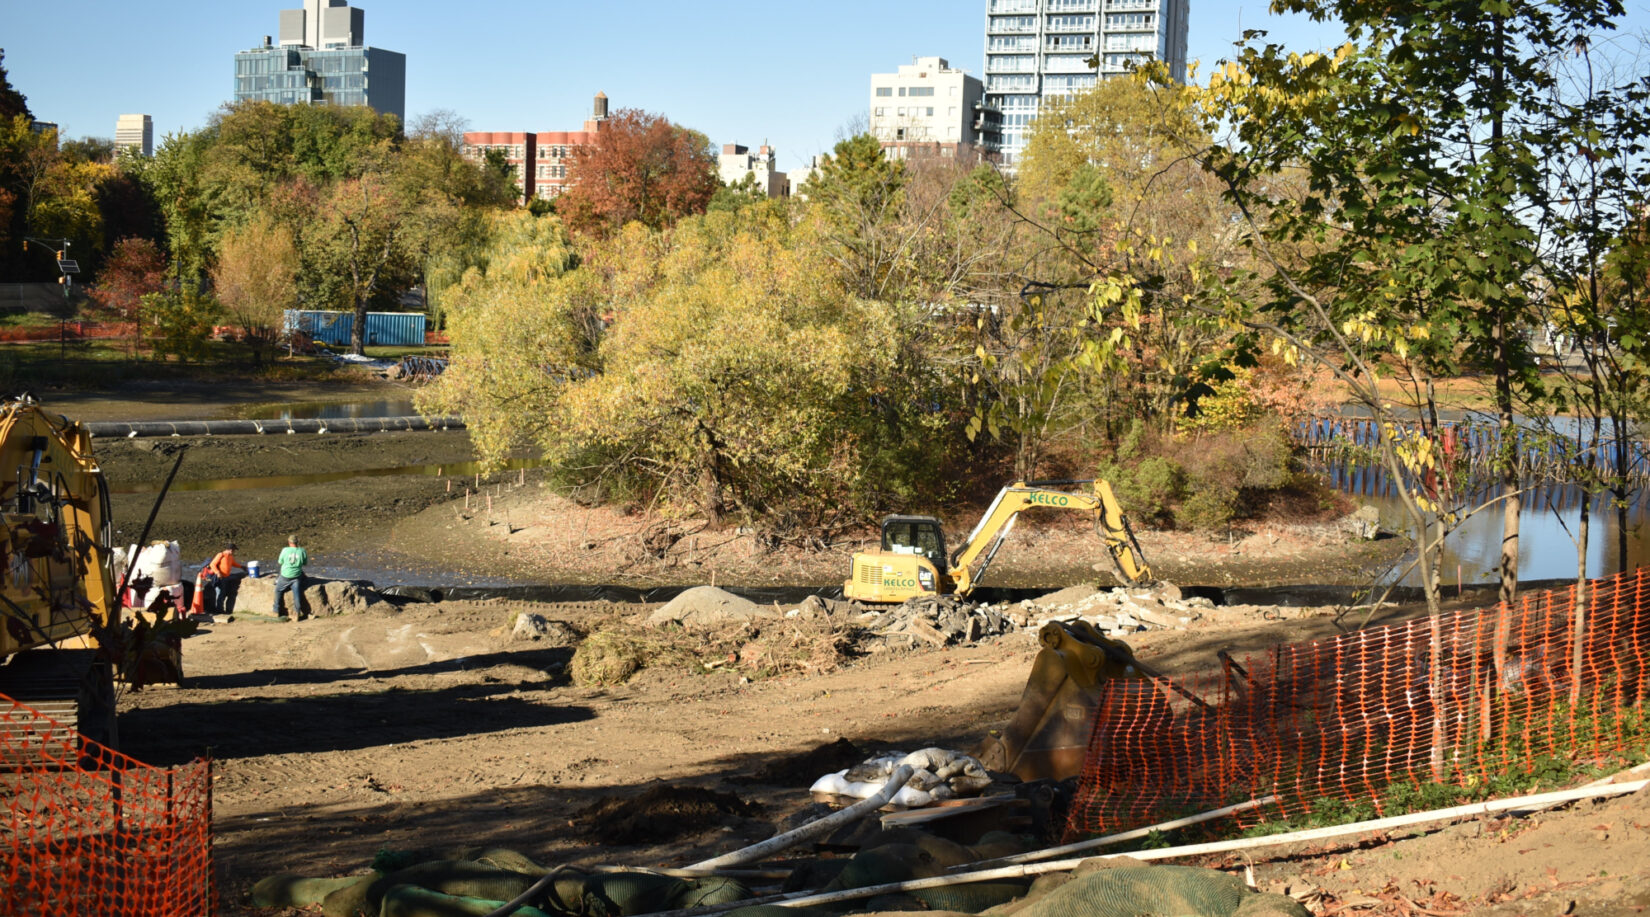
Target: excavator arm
[{"x": 970, "y": 562}]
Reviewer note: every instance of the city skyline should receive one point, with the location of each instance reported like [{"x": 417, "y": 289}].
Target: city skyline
[{"x": 742, "y": 80}]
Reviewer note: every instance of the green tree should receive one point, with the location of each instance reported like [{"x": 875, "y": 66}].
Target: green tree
[
  {"x": 177, "y": 321},
  {"x": 1431, "y": 153},
  {"x": 739, "y": 194},
  {"x": 13, "y": 216},
  {"x": 860, "y": 193},
  {"x": 12, "y": 102}
]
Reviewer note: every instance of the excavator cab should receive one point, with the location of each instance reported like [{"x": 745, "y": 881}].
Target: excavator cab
[
  {"x": 914, "y": 535},
  {"x": 911, "y": 562}
]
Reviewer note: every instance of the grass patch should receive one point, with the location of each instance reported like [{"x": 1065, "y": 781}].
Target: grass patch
[{"x": 99, "y": 364}]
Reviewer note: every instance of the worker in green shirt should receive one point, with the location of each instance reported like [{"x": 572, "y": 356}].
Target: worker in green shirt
[{"x": 291, "y": 577}]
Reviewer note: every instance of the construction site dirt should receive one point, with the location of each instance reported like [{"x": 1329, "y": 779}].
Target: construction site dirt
[{"x": 435, "y": 725}]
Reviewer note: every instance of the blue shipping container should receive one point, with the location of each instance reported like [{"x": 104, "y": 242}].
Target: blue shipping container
[{"x": 384, "y": 329}]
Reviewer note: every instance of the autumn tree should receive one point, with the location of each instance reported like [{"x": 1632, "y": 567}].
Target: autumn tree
[
  {"x": 134, "y": 269},
  {"x": 717, "y": 369},
  {"x": 256, "y": 279},
  {"x": 640, "y": 168}
]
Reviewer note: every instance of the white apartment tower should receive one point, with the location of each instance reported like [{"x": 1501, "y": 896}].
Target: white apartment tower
[
  {"x": 137, "y": 132},
  {"x": 1037, "y": 49},
  {"x": 927, "y": 107}
]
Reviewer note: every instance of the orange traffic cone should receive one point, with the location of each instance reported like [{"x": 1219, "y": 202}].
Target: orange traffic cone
[{"x": 198, "y": 606}]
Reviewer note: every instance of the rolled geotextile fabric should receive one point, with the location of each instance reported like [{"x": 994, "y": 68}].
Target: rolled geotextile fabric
[
  {"x": 463, "y": 878},
  {"x": 622, "y": 894},
  {"x": 711, "y": 890},
  {"x": 412, "y": 901},
  {"x": 288, "y": 890},
  {"x": 351, "y": 900},
  {"x": 1135, "y": 890},
  {"x": 504, "y": 858},
  {"x": 925, "y": 857}
]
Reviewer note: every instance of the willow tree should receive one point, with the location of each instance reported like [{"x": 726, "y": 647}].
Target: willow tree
[{"x": 717, "y": 369}]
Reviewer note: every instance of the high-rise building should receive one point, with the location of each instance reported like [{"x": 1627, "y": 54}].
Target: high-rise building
[
  {"x": 1040, "y": 49},
  {"x": 540, "y": 160},
  {"x": 322, "y": 59},
  {"x": 928, "y": 107},
  {"x": 137, "y": 132}
]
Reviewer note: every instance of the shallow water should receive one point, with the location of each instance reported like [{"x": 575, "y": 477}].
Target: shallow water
[
  {"x": 1548, "y": 531},
  {"x": 457, "y": 469}
]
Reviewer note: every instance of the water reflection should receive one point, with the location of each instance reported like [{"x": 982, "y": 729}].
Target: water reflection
[{"x": 1548, "y": 529}]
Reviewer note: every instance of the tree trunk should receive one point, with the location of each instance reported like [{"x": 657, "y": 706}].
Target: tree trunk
[{"x": 1510, "y": 460}]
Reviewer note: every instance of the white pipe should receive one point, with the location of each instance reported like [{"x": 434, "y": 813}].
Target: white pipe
[
  {"x": 796, "y": 836},
  {"x": 1380, "y": 824},
  {"x": 1119, "y": 838}
]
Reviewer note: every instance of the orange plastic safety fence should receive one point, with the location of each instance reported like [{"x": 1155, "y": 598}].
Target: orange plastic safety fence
[
  {"x": 86, "y": 830},
  {"x": 1459, "y": 699}
]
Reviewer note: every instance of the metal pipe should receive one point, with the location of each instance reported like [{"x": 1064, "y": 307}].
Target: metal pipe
[{"x": 149, "y": 428}]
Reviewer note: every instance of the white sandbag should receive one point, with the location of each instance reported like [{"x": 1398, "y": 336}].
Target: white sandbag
[{"x": 162, "y": 562}]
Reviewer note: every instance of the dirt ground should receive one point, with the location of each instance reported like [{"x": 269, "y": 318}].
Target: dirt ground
[{"x": 426, "y": 726}]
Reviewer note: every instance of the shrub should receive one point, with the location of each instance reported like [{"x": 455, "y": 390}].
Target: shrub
[{"x": 1201, "y": 482}]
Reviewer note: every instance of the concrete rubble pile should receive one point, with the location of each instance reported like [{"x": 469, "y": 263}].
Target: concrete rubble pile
[
  {"x": 1121, "y": 611},
  {"x": 935, "y": 621},
  {"x": 942, "y": 621}
]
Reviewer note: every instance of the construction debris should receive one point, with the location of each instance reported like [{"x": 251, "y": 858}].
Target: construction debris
[
  {"x": 1120, "y": 611},
  {"x": 937, "y": 774}
]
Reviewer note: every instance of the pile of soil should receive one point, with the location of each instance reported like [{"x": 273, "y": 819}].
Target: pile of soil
[{"x": 661, "y": 813}]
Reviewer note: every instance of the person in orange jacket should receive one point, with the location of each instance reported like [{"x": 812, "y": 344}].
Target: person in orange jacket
[{"x": 222, "y": 585}]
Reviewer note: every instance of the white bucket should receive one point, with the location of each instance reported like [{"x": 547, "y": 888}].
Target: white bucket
[{"x": 252, "y": 569}]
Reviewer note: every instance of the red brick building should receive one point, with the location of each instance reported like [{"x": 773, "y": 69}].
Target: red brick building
[{"x": 541, "y": 160}]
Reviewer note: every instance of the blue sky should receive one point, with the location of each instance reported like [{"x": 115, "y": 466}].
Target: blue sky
[{"x": 784, "y": 73}]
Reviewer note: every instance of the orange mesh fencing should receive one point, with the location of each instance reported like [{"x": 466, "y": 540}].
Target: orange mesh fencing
[
  {"x": 1461, "y": 699},
  {"x": 87, "y": 830}
]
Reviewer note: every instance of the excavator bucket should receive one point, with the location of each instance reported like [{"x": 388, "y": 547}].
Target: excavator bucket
[{"x": 1049, "y": 734}]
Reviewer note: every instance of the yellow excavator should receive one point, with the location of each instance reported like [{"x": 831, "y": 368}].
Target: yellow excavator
[
  {"x": 63, "y": 641},
  {"x": 912, "y": 561},
  {"x": 1048, "y": 735}
]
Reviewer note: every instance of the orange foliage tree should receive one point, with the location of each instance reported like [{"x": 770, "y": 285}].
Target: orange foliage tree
[
  {"x": 641, "y": 168},
  {"x": 135, "y": 267}
]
